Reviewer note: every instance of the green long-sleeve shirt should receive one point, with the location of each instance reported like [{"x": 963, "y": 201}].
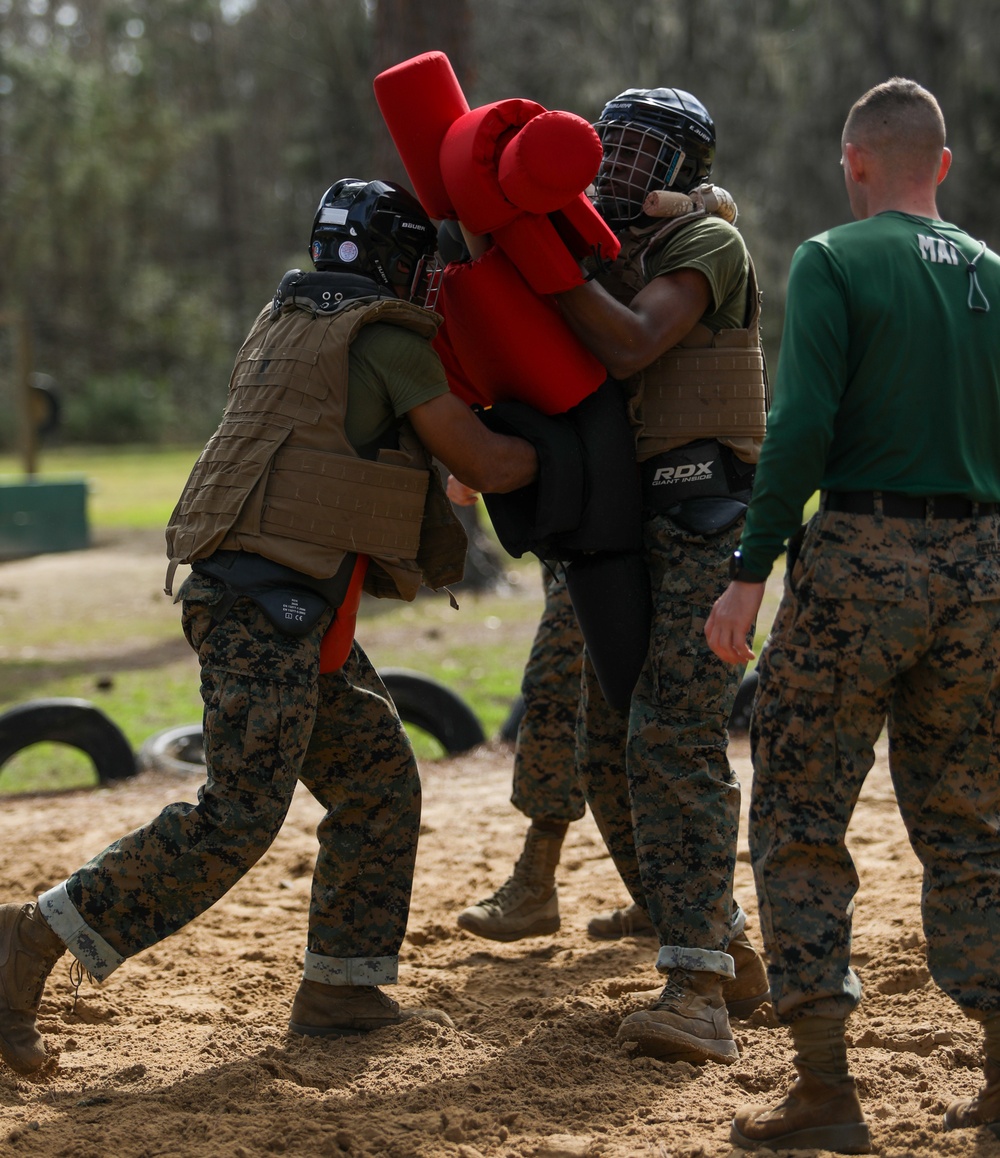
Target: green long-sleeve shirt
[{"x": 887, "y": 379}]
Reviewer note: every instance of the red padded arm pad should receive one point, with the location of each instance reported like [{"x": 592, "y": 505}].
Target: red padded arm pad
[
  {"x": 584, "y": 231},
  {"x": 546, "y": 249},
  {"x": 511, "y": 344},
  {"x": 549, "y": 162},
  {"x": 470, "y": 153},
  {"x": 420, "y": 99}
]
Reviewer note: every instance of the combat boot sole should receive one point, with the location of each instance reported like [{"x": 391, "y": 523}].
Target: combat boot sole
[
  {"x": 852, "y": 1138},
  {"x": 656, "y": 1038},
  {"x": 492, "y": 931}
]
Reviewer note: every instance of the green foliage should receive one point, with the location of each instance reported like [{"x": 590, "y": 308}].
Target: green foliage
[
  {"x": 117, "y": 410},
  {"x": 159, "y": 163}
]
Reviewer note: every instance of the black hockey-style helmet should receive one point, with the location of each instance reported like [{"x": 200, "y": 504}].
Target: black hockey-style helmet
[
  {"x": 375, "y": 229},
  {"x": 653, "y": 138}
]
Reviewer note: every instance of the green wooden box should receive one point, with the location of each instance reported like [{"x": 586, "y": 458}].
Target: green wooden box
[{"x": 42, "y": 515}]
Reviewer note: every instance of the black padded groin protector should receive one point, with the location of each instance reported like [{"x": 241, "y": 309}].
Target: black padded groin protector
[{"x": 614, "y": 608}]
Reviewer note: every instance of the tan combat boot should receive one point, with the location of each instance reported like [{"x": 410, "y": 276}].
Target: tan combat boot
[
  {"x": 983, "y": 1109},
  {"x": 527, "y": 903},
  {"x": 688, "y": 1023},
  {"x": 630, "y": 922},
  {"x": 28, "y": 950},
  {"x": 337, "y": 1010},
  {"x": 743, "y": 994},
  {"x": 749, "y": 988},
  {"x": 815, "y": 1114}
]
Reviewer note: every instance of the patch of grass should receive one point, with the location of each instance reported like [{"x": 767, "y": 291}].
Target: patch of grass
[
  {"x": 479, "y": 651},
  {"x": 128, "y": 487},
  {"x": 141, "y": 703}
]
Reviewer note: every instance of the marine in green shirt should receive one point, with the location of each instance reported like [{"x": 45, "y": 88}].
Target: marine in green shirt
[
  {"x": 888, "y": 378},
  {"x": 887, "y": 399}
]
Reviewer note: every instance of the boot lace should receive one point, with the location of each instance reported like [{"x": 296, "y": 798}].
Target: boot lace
[
  {"x": 674, "y": 992},
  {"x": 77, "y": 973},
  {"x": 507, "y": 896}
]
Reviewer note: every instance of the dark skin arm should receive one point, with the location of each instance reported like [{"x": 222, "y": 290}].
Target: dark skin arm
[
  {"x": 627, "y": 338},
  {"x": 488, "y": 462}
]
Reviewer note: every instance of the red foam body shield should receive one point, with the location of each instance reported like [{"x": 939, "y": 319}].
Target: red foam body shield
[
  {"x": 526, "y": 352},
  {"x": 516, "y": 171}
]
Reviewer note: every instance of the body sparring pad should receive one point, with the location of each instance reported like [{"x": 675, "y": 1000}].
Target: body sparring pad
[
  {"x": 420, "y": 99},
  {"x": 587, "y": 496},
  {"x": 553, "y": 503},
  {"x": 614, "y": 608}
]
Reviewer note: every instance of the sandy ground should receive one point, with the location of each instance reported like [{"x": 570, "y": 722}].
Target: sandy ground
[{"x": 184, "y": 1050}]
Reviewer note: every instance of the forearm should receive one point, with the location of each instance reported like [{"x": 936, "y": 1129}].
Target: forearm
[
  {"x": 627, "y": 338},
  {"x": 477, "y": 456},
  {"x": 506, "y": 464},
  {"x": 606, "y": 328}
]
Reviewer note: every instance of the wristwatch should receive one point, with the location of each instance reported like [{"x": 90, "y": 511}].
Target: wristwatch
[{"x": 739, "y": 571}]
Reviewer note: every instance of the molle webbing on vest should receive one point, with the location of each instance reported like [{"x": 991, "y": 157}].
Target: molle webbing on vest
[
  {"x": 374, "y": 508},
  {"x": 714, "y": 391},
  {"x": 709, "y": 386},
  {"x": 280, "y": 479}
]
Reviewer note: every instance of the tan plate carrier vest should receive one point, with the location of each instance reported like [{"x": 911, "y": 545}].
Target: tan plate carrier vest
[
  {"x": 280, "y": 479},
  {"x": 708, "y": 386}
]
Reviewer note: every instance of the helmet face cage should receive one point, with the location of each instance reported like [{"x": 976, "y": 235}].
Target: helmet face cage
[
  {"x": 375, "y": 229},
  {"x": 652, "y": 139}
]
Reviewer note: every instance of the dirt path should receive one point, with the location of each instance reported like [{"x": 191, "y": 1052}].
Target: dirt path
[{"x": 183, "y": 1052}]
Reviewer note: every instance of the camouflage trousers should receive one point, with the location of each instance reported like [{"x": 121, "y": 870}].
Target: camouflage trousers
[
  {"x": 883, "y": 621},
  {"x": 270, "y": 720},
  {"x": 669, "y": 810},
  {"x": 545, "y": 780}
]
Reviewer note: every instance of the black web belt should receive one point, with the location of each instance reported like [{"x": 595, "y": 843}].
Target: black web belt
[{"x": 897, "y": 506}]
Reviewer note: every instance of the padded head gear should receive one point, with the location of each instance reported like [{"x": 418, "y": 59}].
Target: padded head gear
[
  {"x": 653, "y": 138},
  {"x": 376, "y": 229}
]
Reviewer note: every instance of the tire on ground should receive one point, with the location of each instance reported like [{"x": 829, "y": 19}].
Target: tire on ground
[
  {"x": 77, "y": 723},
  {"x": 739, "y": 720},
  {"x": 508, "y": 729},
  {"x": 436, "y": 709},
  {"x": 420, "y": 701},
  {"x": 179, "y": 750}
]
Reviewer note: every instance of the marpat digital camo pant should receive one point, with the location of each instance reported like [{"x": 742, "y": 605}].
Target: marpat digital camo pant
[
  {"x": 669, "y": 812},
  {"x": 270, "y": 720},
  {"x": 545, "y": 780},
  {"x": 882, "y": 620}
]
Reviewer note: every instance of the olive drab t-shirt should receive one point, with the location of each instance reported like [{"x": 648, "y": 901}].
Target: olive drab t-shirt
[
  {"x": 715, "y": 248},
  {"x": 391, "y": 371}
]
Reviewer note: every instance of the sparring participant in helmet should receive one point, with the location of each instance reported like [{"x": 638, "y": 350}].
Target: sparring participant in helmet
[
  {"x": 657, "y": 138},
  {"x": 378, "y": 228},
  {"x": 674, "y": 319},
  {"x": 320, "y": 471}
]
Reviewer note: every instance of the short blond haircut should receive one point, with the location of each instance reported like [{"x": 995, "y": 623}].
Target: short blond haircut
[{"x": 899, "y": 119}]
